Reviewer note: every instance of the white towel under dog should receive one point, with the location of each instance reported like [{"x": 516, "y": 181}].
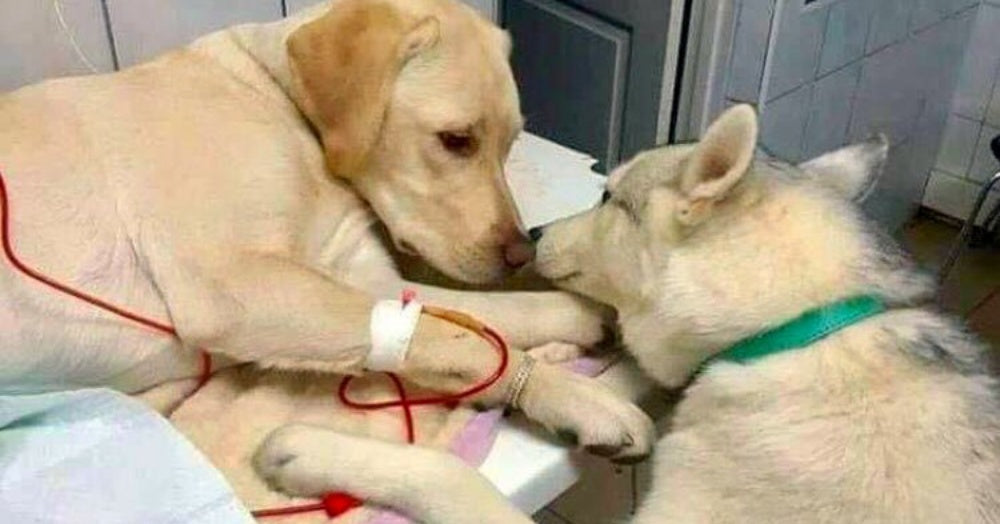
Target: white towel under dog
[{"x": 96, "y": 455}]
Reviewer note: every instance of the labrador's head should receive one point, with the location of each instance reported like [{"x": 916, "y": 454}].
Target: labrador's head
[{"x": 417, "y": 108}]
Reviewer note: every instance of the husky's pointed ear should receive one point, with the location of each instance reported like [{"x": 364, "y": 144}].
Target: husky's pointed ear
[
  {"x": 851, "y": 171},
  {"x": 718, "y": 162}
]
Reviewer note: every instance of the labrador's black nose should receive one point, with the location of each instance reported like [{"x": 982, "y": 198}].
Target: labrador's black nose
[{"x": 536, "y": 233}]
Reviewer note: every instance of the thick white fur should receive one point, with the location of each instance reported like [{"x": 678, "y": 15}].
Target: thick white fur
[
  {"x": 893, "y": 419},
  {"x": 193, "y": 189}
]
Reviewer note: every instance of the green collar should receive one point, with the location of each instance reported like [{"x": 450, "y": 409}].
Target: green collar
[{"x": 802, "y": 331}]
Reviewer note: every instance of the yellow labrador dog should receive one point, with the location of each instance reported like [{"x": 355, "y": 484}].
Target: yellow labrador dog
[{"x": 236, "y": 188}]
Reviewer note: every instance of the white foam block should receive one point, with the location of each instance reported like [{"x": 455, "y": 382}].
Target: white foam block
[
  {"x": 550, "y": 181},
  {"x": 530, "y": 468}
]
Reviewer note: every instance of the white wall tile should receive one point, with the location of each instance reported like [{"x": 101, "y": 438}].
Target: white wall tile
[
  {"x": 889, "y": 24},
  {"x": 939, "y": 50},
  {"x": 925, "y": 145},
  {"x": 908, "y": 169},
  {"x": 958, "y": 5},
  {"x": 937, "y": 54},
  {"x": 901, "y": 82},
  {"x": 929, "y": 12},
  {"x": 297, "y": 5},
  {"x": 984, "y": 164},
  {"x": 145, "y": 28},
  {"x": 486, "y": 7},
  {"x": 993, "y": 111},
  {"x": 795, "y": 58},
  {"x": 783, "y": 124},
  {"x": 980, "y": 65},
  {"x": 897, "y": 192},
  {"x": 889, "y": 99},
  {"x": 925, "y": 13},
  {"x": 845, "y": 35},
  {"x": 830, "y": 111},
  {"x": 34, "y": 46},
  {"x": 958, "y": 145},
  {"x": 955, "y": 196},
  {"x": 746, "y": 65}
]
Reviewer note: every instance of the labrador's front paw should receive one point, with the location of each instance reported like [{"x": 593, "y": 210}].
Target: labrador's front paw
[{"x": 587, "y": 414}]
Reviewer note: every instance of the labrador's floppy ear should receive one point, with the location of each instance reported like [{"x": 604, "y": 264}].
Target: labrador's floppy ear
[
  {"x": 721, "y": 158},
  {"x": 344, "y": 65}
]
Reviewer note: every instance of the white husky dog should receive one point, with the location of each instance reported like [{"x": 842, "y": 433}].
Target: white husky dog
[
  {"x": 822, "y": 387},
  {"x": 825, "y": 388}
]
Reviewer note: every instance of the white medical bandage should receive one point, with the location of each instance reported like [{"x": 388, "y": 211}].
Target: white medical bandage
[{"x": 392, "y": 326}]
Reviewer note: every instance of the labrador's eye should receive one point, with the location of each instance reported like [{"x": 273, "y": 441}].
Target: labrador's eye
[
  {"x": 605, "y": 196},
  {"x": 460, "y": 144}
]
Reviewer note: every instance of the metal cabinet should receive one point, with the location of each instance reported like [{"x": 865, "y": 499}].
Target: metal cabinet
[{"x": 591, "y": 71}]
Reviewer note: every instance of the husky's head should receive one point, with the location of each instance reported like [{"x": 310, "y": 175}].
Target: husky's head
[{"x": 701, "y": 245}]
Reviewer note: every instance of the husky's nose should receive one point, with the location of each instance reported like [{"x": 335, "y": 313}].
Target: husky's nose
[
  {"x": 518, "y": 252},
  {"x": 536, "y": 233}
]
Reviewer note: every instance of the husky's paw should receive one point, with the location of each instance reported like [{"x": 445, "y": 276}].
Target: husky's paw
[
  {"x": 556, "y": 352},
  {"x": 587, "y": 414},
  {"x": 299, "y": 460}
]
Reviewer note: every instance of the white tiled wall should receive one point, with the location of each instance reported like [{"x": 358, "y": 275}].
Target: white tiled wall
[
  {"x": 33, "y": 46},
  {"x": 487, "y": 7},
  {"x": 834, "y": 71},
  {"x": 119, "y": 33},
  {"x": 177, "y": 21},
  {"x": 828, "y": 123},
  {"x": 964, "y": 160}
]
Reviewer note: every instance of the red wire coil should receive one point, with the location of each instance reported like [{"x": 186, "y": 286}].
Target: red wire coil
[{"x": 334, "y": 504}]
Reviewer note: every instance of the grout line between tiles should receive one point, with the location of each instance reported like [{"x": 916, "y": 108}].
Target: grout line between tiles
[{"x": 822, "y": 43}]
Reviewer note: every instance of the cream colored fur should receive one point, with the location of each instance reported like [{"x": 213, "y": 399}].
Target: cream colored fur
[
  {"x": 893, "y": 419},
  {"x": 237, "y": 188}
]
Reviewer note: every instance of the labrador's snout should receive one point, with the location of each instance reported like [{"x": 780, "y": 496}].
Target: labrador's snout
[{"x": 518, "y": 251}]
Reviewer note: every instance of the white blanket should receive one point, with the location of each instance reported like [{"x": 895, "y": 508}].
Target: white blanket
[{"x": 100, "y": 456}]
